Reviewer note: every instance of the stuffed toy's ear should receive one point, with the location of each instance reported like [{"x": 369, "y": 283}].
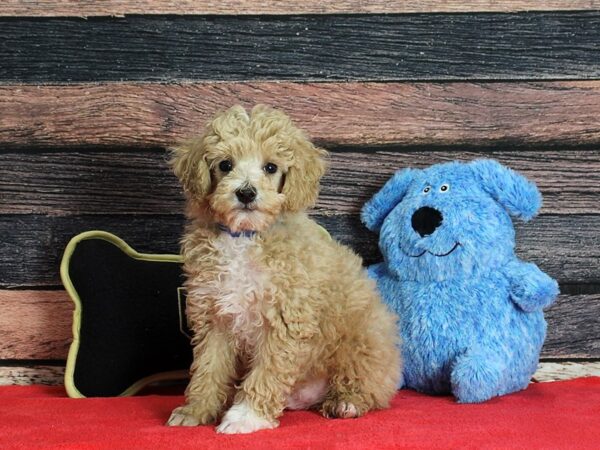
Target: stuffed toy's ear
[
  {"x": 519, "y": 196},
  {"x": 376, "y": 210}
]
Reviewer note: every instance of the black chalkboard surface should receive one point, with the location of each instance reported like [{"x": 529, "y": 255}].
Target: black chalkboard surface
[{"x": 129, "y": 321}]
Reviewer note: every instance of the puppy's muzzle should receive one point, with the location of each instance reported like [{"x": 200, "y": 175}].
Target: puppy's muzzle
[
  {"x": 426, "y": 220},
  {"x": 246, "y": 194}
]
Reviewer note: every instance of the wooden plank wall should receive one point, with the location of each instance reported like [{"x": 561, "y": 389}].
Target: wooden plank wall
[{"x": 88, "y": 106}]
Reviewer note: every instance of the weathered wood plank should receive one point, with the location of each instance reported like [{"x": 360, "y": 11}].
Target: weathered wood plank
[
  {"x": 100, "y": 182},
  {"x": 119, "y": 8},
  {"x": 34, "y": 374},
  {"x": 413, "y": 114},
  {"x": 54, "y": 375},
  {"x": 35, "y": 324},
  {"x": 39, "y": 326},
  {"x": 554, "y": 371},
  {"x": 567, "y": 247},
  {"x": 536, "y": 45},
  {"x": 574, "y": 327},
  {"x": 354, "y": 177},
  {"x": 32, "y": 246},
  {"x": 61, "y": 183}
]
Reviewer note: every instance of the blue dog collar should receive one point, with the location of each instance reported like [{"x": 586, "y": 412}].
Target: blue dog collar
[{"x": 245, "y": 233}]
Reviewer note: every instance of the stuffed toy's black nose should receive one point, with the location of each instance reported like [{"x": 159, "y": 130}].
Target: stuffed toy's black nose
[
  {"x": 425, "y": 220},
  {"x": 246, "y": 195}
]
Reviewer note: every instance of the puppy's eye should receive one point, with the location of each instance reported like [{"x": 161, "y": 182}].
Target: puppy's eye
[
  {"x": 225, "y": 166},
  {"x": 427, "y": 189},
  {"x": 270, "y": 168},
  {"x": 444, "y": 187}
]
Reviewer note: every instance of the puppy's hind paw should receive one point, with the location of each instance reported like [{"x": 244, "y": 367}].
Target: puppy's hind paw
[{"x": 340, "y": 410}]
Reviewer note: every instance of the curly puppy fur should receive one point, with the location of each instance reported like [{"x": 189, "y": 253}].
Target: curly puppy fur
[{"x": 283, "y": 316}]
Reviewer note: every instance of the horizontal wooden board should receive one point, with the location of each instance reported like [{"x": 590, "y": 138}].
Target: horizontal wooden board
[
  {"x": 554, "y": 371},
  {"x": 31, "y": 374},
  {"x": 101, "y": 182},
  {"x": 354, "y": 177},
  {"x": 54, "y": 375},
  {"x": 92, "y": 8},
  {"x": 35, "y": 324},
  {"x": 537, "y": 45},
  {"x": 567, "y": 247},
  {"x": 410, "y": 114},
  {"x": 32, "y": 246},
  {"x": 573, "y": 326}
]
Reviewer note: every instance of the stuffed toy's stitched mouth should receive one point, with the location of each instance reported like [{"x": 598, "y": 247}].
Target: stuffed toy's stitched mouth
[{"x": 456, "y": 245}]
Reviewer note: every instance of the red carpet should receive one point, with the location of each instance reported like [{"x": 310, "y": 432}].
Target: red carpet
[{"x": 547, "y": 415}]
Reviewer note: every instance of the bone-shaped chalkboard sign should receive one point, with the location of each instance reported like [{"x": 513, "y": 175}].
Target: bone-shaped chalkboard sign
[{"x": 129, "y": 326}]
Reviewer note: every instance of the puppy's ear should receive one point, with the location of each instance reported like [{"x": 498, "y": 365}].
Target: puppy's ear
[
  {"x": 301, "y": 184},
  {"x": 188, "y": 160},
  {"x": 519, "y": 196},
  {"x": 301, "y": 181},
  {"x": 383, "y": 202},
  {"x": 189, "y": 165}
]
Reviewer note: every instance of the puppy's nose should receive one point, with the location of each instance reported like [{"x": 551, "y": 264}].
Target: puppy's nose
[
  {"x": 425, "y": 220},
  {"x": 246, "y": 195}
]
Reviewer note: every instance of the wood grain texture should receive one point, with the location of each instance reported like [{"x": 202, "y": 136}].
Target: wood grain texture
[
  {"x": 92, "y": 8},
  {"x": 54, "y": 375},
  {"x": 567, "y": 247},
  {"x": 35, "y": 324},
  {"x": 554, "y": 371},
  {"x": 31, "y": 374},
  {"x": 102, "y": 182},
  {"x": 491, "y": 46},
  {"x": 34, "y": 245},
  {"x": 354, "y": 176},
  {"x": 412, "y": 114},
  {"x": 573, "y": 326}
]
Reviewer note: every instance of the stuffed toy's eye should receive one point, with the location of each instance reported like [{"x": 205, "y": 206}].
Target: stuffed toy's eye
[
  {"x": 426, "y": 190},
  {"x": 225, "y": 166},
  {"x": 270, "y": 168},
  {"x": 444, "y": 188}
]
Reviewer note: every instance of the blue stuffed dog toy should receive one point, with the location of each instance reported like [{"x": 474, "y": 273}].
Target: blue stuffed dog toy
[{"x": 470, "y": 311}]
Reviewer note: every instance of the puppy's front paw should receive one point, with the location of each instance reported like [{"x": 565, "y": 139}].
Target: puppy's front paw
[
  {"x": 189, "y": 416},
  {"x": 241, "y": 418}
]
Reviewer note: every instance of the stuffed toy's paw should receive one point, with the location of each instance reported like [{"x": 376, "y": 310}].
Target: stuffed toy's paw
[
  {"x": 477, "y": 376},
  {"x": 531, "y": 288}
]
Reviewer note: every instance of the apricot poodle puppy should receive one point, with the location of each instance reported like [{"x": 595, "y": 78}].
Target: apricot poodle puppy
[{"x": 283, "y": 316}]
